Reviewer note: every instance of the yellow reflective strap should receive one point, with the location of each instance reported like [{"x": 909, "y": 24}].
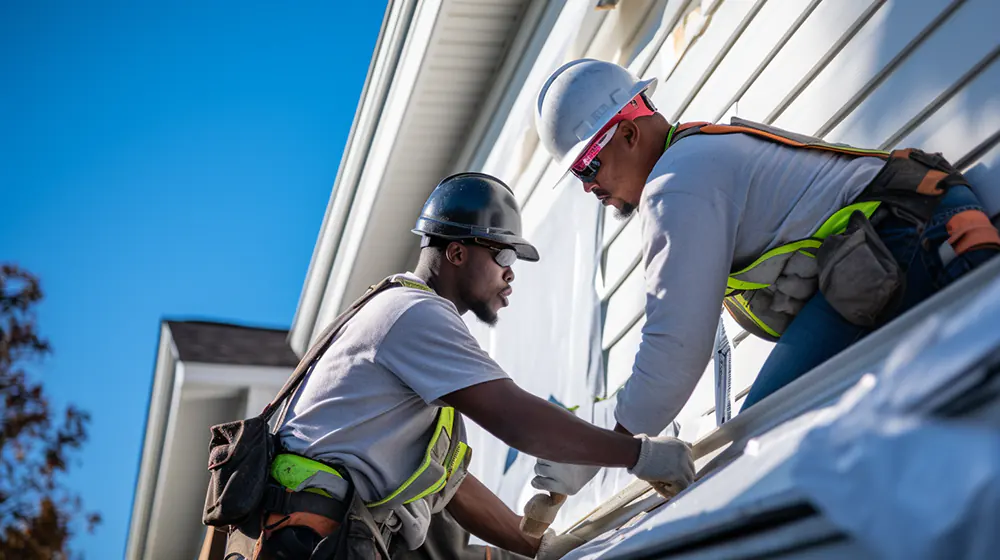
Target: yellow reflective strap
[
  {"x": 809, "y": 243},
  {"x": 412, "y": 284},
  {"x": 837, "y": 223},
  {"x": 445, "y": 421},
  {"x": 460, "y": 452},
  {"x": 413, "y": 477},
  {"x": 733, "y": 284},
  {"x": 292, "y": 470},
  {"x": 670, "y": 136},
  {"x": 745, "y": 306},
  {"x": 436, "y": 487}
]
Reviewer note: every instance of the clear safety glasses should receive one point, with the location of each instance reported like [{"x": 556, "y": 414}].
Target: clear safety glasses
[{"x": 504, "y": 256}]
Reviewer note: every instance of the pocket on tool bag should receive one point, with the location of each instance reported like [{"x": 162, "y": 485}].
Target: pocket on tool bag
[
  {"x": 858, "y": 274},
  {"x": 239, "y": 459}
]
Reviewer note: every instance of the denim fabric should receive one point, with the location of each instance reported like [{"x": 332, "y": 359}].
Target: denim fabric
[{"x": 819, "y": 332}]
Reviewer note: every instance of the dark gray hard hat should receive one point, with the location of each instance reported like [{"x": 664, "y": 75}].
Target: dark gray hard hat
[{"x": 468, "y": 205}]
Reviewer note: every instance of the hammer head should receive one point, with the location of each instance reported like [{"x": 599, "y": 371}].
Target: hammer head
[{"x": 539, "y": 513}]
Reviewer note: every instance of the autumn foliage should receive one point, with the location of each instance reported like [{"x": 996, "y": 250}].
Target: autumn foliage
[{"x": 37, "y": 513}]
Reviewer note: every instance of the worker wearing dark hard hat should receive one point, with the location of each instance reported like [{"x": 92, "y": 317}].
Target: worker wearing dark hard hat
[
  {"x": 383, "y": 405},
  {"x": 805, "y": 243}
]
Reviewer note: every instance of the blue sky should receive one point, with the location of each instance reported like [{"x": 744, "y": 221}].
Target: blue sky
[{"x": 164, "y": 161}]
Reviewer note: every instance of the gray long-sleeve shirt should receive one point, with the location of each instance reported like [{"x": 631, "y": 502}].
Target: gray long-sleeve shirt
[{"x": 714, "y": 203}]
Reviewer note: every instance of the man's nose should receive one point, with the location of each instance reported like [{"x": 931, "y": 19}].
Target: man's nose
[
  {"x": 508, "y": 275},
  {"x": 587, "y": 187}
]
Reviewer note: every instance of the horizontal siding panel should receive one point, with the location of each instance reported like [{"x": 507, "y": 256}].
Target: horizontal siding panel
[
  {"x": 966, "y": 120},
  {"x": 612, "y": 225},
  {"x": 699, "y": 56},
  {"x": 806, "y": 48},
  {"x": 752, "y": 48},
  {"x": 624, "y": 305},
  {"x": 692, "y": 418},
  {"x": 880, "y": 40},
  {"x": 933, "y": 67},
  {"x": 535, "y": 206},
  {"x": 622, "y": 254},
  {"x": 673, "y": 48},
  {"x": 621, "y": 356},
  {"x": 532, "y": 175}
]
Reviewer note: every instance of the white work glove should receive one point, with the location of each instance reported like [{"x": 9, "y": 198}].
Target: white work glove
[
  {"x": 562, "y": 478},
  {"x": 556, "y": 546},
  {"x": 665, "y": 463}
]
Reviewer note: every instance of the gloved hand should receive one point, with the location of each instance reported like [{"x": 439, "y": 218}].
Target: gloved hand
[
  {"x": 665, "y": 463},
  {"x": 562, "y": 478},
  {"x": 556, "y": 546}
]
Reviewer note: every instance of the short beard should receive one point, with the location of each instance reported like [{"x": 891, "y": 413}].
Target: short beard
[
  {"x": 625, "y": 212},
  {"x": 483, "y": 312}
]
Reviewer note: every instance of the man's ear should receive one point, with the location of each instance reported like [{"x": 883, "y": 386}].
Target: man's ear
[
  {"x": 456, "y": 253},
  {"x": 630, "y": 132}
]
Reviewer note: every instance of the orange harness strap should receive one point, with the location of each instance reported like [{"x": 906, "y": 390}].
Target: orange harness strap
[{"x": 970, "y": 230}]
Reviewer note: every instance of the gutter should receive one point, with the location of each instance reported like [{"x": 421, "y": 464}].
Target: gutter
[{"x": 381, "y": 71}]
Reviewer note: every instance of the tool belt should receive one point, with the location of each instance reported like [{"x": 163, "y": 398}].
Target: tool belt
[
  {"x": 240, "y": 489},
  {"x": 310, "y": 526}
]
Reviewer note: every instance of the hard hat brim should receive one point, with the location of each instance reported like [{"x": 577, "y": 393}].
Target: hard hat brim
[
  {"x": 525, "y": 251},
  {"x": 572, "y": 155}
]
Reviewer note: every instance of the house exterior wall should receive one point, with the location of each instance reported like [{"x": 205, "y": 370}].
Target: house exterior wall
[
  {"x": 873, "y": 73},
  {"x": 187, "y": 398}
]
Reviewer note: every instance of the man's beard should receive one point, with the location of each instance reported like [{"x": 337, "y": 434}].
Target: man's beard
[
  {"x": 625, "y": 212},
  {"x": 482, "y": 311}
]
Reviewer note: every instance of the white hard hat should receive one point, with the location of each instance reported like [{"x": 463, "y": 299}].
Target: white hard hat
[{"x": 577, "y": 101}]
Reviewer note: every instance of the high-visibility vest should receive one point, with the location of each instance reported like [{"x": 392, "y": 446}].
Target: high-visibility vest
[
  {"x": 444, "y": 465},
  {"x": 766, "y": 295}
]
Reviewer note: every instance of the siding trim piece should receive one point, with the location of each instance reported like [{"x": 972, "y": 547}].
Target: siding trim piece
[
  {"x": 941, "y": 99},
  {"x": 825, "y": 60},
  {"x": 889, "y": 68}
]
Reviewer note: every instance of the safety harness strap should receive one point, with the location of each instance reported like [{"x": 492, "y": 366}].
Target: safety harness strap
[
  {"x": 281, "y": 500},
  {"x": 911, "y": 183}
]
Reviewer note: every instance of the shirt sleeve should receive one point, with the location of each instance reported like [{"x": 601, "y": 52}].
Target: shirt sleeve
[
  {"x": 689, "y": 238},
  {"x": 432, "y": 351}
]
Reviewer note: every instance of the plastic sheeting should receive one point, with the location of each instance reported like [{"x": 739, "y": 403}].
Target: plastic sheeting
[{"x": 898, "y": 477}]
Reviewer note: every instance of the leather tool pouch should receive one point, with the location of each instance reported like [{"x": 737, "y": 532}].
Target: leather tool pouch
[
  {"x": 858, "y": 274},
  {"x": 240, "y": 455}
]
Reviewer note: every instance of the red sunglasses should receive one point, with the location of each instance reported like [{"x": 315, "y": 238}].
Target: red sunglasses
[{"x": 587, "y": 165}]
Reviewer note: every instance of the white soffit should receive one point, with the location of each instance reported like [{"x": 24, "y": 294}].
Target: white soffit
[{"x": 448, "y": 57}]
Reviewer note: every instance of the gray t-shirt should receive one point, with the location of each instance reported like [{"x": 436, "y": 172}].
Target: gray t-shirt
[
  {"x": 372, "y": 399},
  {"x": 715, "y": 203}
]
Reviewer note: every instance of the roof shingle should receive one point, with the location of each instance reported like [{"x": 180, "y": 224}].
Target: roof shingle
[{"x": 224, "y": 343}]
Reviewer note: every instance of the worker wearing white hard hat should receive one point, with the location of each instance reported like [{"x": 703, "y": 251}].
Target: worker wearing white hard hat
[{"x": 808, "y": 244}]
